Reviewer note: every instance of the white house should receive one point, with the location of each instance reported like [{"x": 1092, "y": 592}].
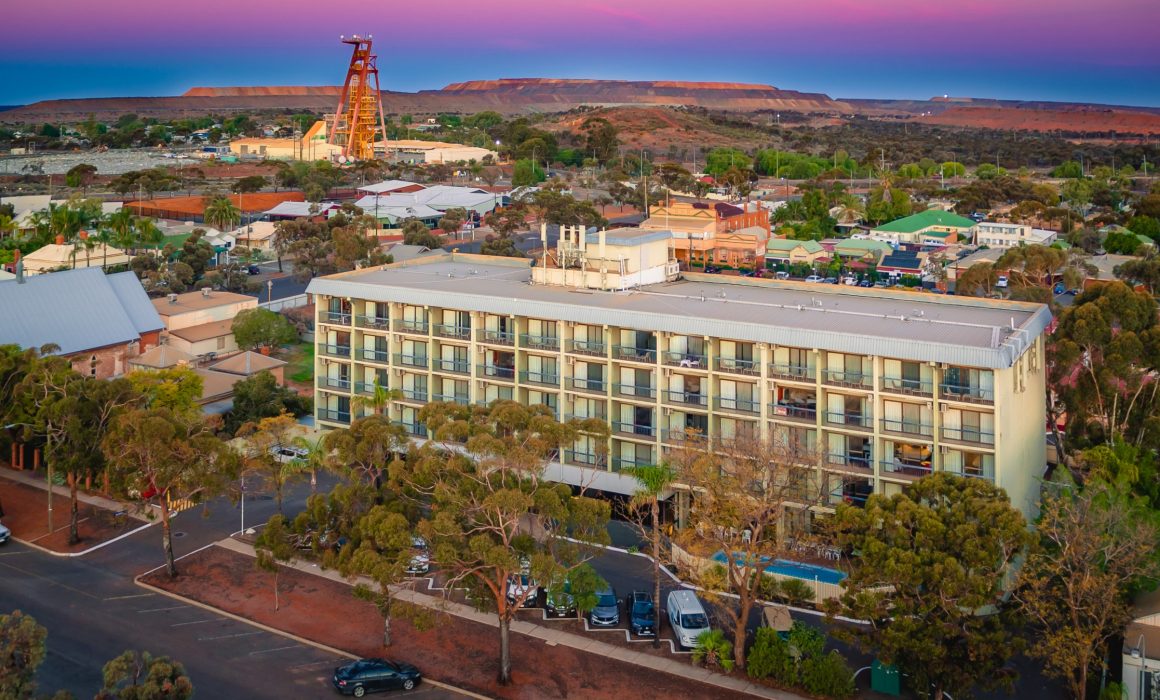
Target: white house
[{"x": 999, "y": 235}]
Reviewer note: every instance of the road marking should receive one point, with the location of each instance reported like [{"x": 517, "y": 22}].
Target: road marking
[
  {"x": 267, "y": 651},
  {"x": 127, "y": 597},
  {"x": 51, "y": 581},
  {"x": 195, "y": 622},
  {"x": 175, "y": 607},
  {"x": 227, "y": 636}
]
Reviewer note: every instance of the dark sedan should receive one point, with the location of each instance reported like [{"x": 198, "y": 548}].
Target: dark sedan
[
  {"x": 372, "y": 675},
  {"x": 641, "y": 613}
]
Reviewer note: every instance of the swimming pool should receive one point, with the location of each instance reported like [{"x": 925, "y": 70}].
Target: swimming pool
[{"x": 796, "y": 569}]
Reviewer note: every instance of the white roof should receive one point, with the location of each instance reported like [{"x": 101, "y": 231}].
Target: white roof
[
  {"x": 299, "y": 209},
  {"x": 437, "y": 197},
  {"x": 387, "y": 186},
  {"x": 258, "y": 231}
]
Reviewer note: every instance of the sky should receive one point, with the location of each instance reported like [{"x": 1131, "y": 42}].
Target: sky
[{"x": 1102, "y": 51}]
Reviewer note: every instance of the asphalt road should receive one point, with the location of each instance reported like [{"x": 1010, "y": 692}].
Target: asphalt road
[{"x": 93, "y": 611}]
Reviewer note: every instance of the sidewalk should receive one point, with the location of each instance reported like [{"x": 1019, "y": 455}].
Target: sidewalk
[{"x": 553, "y": 637}]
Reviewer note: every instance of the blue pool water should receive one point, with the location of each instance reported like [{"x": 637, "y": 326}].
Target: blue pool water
[{"x": 808, "y": 572}]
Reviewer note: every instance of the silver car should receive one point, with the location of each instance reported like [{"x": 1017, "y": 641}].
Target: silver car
[{"x": 5, "y": 533}]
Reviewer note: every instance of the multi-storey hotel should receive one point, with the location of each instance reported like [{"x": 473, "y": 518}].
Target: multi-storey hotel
[{"x": 879, "y": 387}]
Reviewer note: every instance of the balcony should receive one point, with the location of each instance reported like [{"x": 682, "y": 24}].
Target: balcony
[
  {"x": 972, "y": 436},
  {"x": 686, "y": 398},
  {"x": 794, "y": 373},
  {"x": 632, "y": 430},
  {"x": 335, "y": 318},
  {"x": 735, "y": 365},
  {"x": 587, "y": 459},
  {"x": 455, "y": 366},
  {"x": 334, "y": 416},
  {"x": 334, "y": 383},
  {"x": 631, "y": 353},
  {"x": 910, "y": 387},
  {"x": 413, "y": 428},
  {"x": 855, "y": 380},
  {"x": 905, "y": 467},
  {"x": 632, "y": 391},
  {"x": 850, "y": 420},
  {"x": 414, "y": 395},
  {"x": 374, "y": 322},
  {"x": 737, "y": 405},
  {"x": 372, "y": 355},
  {"x": 460, "y": 399},
  {"x": 907, "y": 427},
  {"x": 496, "y": 337},
  {"x": 690, "y": 437},
  {"x": 799, "y": 414},
  {"x": 619, "y": 463},
  {"x": 335, "y": 350},
  {"x": 974, "y": 473},
  {"x": 506, "y": 374},
  {"x": 368, "y": 388},
  {"x": 417, "y": 361},
  {"x": 597, "y": 415},
  {"x": 446, "y": 330},
  {"x": 687, "y": 360},
  {"x": 411, "y": 326},
  {"x": 969, "y": 394},
  {"x": 592, "y": 348},
  {"x": 592, "y": 386},
  {"x": 539, "y": 342},
  {"x": 542, "y": 378},
  {"x": 850, "y": 463}
]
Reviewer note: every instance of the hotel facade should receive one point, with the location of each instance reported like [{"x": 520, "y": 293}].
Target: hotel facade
[{"x": 879, "y": 387}]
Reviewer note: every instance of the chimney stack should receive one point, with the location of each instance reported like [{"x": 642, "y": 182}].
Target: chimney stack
[
  {"x": 19, "y": 267},
  {"x": 60, "y": 239}
]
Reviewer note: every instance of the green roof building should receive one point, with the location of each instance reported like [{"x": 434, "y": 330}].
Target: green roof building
[{"x": 932, "y": 225}]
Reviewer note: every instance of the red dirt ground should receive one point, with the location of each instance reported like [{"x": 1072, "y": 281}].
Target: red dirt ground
[
  {"x": 455, "y": 651},
  {"x": 25, "y": 513},
  {"x": 1083, "y": 121}
]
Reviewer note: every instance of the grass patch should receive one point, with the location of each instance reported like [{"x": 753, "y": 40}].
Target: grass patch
[{"x": 301, "y": 361}]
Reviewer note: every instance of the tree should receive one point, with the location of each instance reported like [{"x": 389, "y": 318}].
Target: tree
[
  {"x": 653, "y": 481},
  {"x": 142, "y": 676},
  {"x": 978, "y": 280},
  {"x": 259, "y": 397},
  {"x": 526, "y": 173},
  {"x": 1095, "y": 547},
  {"x": 81, "y": 175},
  {"x": 720, "y": 160},
  {"x": 222, "y": 214},
  {"x": 250, "y": 183},
  {"x": 315, "y": 459},
  {"x": 273, "y": 546},
  {"x": 256, "y": 328},
  {"x": 368, "y": 447},
  {"x": 265, "y": 438},
  {"x": 22, "y": 650},
  {"x": 415, "y": 232},
  {"x": 1141, "y": 271},
  {"x": 502, "y": 246},
  {"x": 1122, "y": 243},
  {"x": 160, "y": 457},
  {"x": 453, "y": 219},
  {"x": 929, "y": 579},
  {"x": 1144, "y": 226},
  {"x": 490, "y": 509},
  {"x": 601, "y": 139},
  {"x": 176, "y": 389},
  {"x": 379, "y": 400}
]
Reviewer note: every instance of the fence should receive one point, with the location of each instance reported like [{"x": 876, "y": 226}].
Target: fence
[
  {"x": 823, "y": 591},
  {"x": 286, "y": 303}
]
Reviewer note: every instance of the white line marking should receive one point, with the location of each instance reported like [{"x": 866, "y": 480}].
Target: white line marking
[
  {"x": 267, "y": 651},
  {"x": 153, "y": 610},
  {"x": 127, "y": 597},
  {"x": 195, "y": 622},
  {"x": 228, "y": 636}
]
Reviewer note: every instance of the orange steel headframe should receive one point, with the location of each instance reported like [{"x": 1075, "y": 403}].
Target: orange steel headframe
[{"x": 360, "y": 107}]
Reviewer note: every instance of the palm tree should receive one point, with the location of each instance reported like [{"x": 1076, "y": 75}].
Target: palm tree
[
  {"x": 379, "y": 399},
  {"x": 654, "y": 480},
  {"x": 7, "y": 226},
  {"x": 120, "y": 226},
  {"x": 222, "y": 214},
  {"x": 146, "y": 232},
  {"x": 103, "y": 236},
  {"x": 315, "y": 458}
]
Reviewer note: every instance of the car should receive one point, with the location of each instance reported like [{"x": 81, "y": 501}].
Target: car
[
  {"x": 1072, "y": 292},
  {"x": 831, "y": 280},
  {"x": 781, "y": 275},
  {"x": 849, "y": 281},
  {"x": 372, "y": 675},
  {"x": 253, "y": 270},
  {"x": 1058, "y": 289},
  {"x": 523, "y": 586},
  {"x": 288, "y": 453},
  {"x": 687, "y": 618},
  {"x": 865, "y": 283},
  {"x": 641, "y": 613},
  {"x": 815, "y": 279},
  {"x": 1002, "y": 282},
  {"x": 607, "y": 610},
  {"x": 5, "y": 533},
  {"x": 420, "y": 562},
  {"x": 560, "y": 602},
  {"x": 712, "y": 269}
]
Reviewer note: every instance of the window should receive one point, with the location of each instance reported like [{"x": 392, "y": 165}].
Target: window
[
  {"x": 221, "y": 343},
  {"x": 92, "y": 365}
]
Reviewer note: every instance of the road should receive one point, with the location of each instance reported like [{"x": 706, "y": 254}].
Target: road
[{"x": 93, "y": 611}]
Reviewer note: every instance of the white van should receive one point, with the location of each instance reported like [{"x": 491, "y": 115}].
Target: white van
[{"x": 687, "y": 617}]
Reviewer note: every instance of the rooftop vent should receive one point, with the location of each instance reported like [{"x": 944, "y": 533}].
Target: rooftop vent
[
  {"x": 172, "y": 298},
  {"x": 205, "y": 291}
]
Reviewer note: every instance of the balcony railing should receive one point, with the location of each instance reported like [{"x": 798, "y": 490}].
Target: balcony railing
[
  {"x": 588, "y": 459},
  {"x": 375, "y": 322},
  {"x": 907, "y": 427},
  {"x": 495, "y": 337},
  {"x": 419, "y": 395},
  {"x": 543, "y": 378},
  {"x": 598, "y": 386},
  {"x": 684, "y": 436},
  {"x": 971, "y": 435},
  {"x": 461, "y": 399},
  {"x": 494, "y": 372},
  {"x": 687, "y": 398},
  {"x": 338, "y": 318},
  {"x": 962, "y": 392},
  {"x": 911, "y": 387},
  {"x": 336, "y": 350},
  {"x": 799, "y": 413},
  {"x": 413, "y": 428},
  {"x": 411, "y": 326},
  {"x": 737, "y": 366},
  {"x": 619, "y": 463},
  {"x": 539, "y": 342},
  {"x": 333, "y": 416},
  {"x": 631, "y": 353},
  {"x": 738, "y": 405},
  {"x": 686, "y": 359},
  {"x": 855, "y": 420},
  {"x": 849, "y": 461},
  {"x": 905, "y": 467},
  {"x": 596, "y": 415},
  {"x": 840, "y": 377},
  {"x": 372, "y": 355},
  {"x": 792, "y": 372},
  {"x": 367, "y": 387},
  {"x": 634, "y": 391},
  {"x": 447, "y": 330},
  {"x": 595, "y": 348},
  {"x": 419, "y": 361},
  {"x": 458, "y": 366},
  {"x": 633, "y": 430},
  {"x": 334, "y": 383},
  {"x": 986, "y": 474}
]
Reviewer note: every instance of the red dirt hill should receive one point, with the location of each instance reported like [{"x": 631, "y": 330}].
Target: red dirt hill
[{"x": 1083, "y": 121}]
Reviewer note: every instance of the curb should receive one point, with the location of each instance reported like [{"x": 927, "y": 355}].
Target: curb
[
  {"x": 53, "y": 552},
  {"x": 293, "y": 637}
]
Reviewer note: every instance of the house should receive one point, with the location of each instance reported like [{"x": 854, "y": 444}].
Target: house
[
  {"x": 930, "y": 227},
  {"x": 99, "y": 322},
  {"x": 1140, "y": 656},
  {"x": 162, "y": 357},
  {"x": 707, "y": 233},
  {"x": 248, "y": 363},
  {"x": 864, "y": 249},
  {"x": 902, "y": 263},
  {"x": 1001, "y": 235},
  {"x": 424, "y": 152},
  {"x": 400, "y": 252},
  {"x": 400, "y": 202},
  {"x": 787, "y": 250},
  {"x": 59, "y": 254},
  {"x": 986, "y": 255},
  {"x": 201, "y": 323},
  {"x": 312, "y": 146},
  {"x": 299, "y": 210},
  {"x": 256, "y": 235}
]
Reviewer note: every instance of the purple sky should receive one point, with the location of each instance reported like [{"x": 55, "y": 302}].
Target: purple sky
[{"x": 1068, "y": 50}]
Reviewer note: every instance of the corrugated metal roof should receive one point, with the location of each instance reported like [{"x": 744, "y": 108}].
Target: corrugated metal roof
[
  {"x": 136, "y": 302},
  {"x": 957, "y": 330},
  {"x": 75, "y": 310}
]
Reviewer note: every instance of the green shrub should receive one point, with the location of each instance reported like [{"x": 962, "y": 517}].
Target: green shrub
[
  {"x": 714, "y": 650},
  {"x": 769, "y": 588},
  {"x": 770, "y": 657},
  {"x": 1113, "y": 691},
  {"x": 828, "y": 675},
  {"x": 805, "y": 642},
  {"x": 795, "y": 591}
]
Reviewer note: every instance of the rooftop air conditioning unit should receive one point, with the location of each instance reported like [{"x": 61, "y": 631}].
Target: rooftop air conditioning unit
[
  {"x": 205, "y": 291},
  {"x": 172, "y": 298}
]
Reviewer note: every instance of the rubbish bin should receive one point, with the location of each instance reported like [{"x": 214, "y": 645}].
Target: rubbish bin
[{"x": 885, "y": 679}]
